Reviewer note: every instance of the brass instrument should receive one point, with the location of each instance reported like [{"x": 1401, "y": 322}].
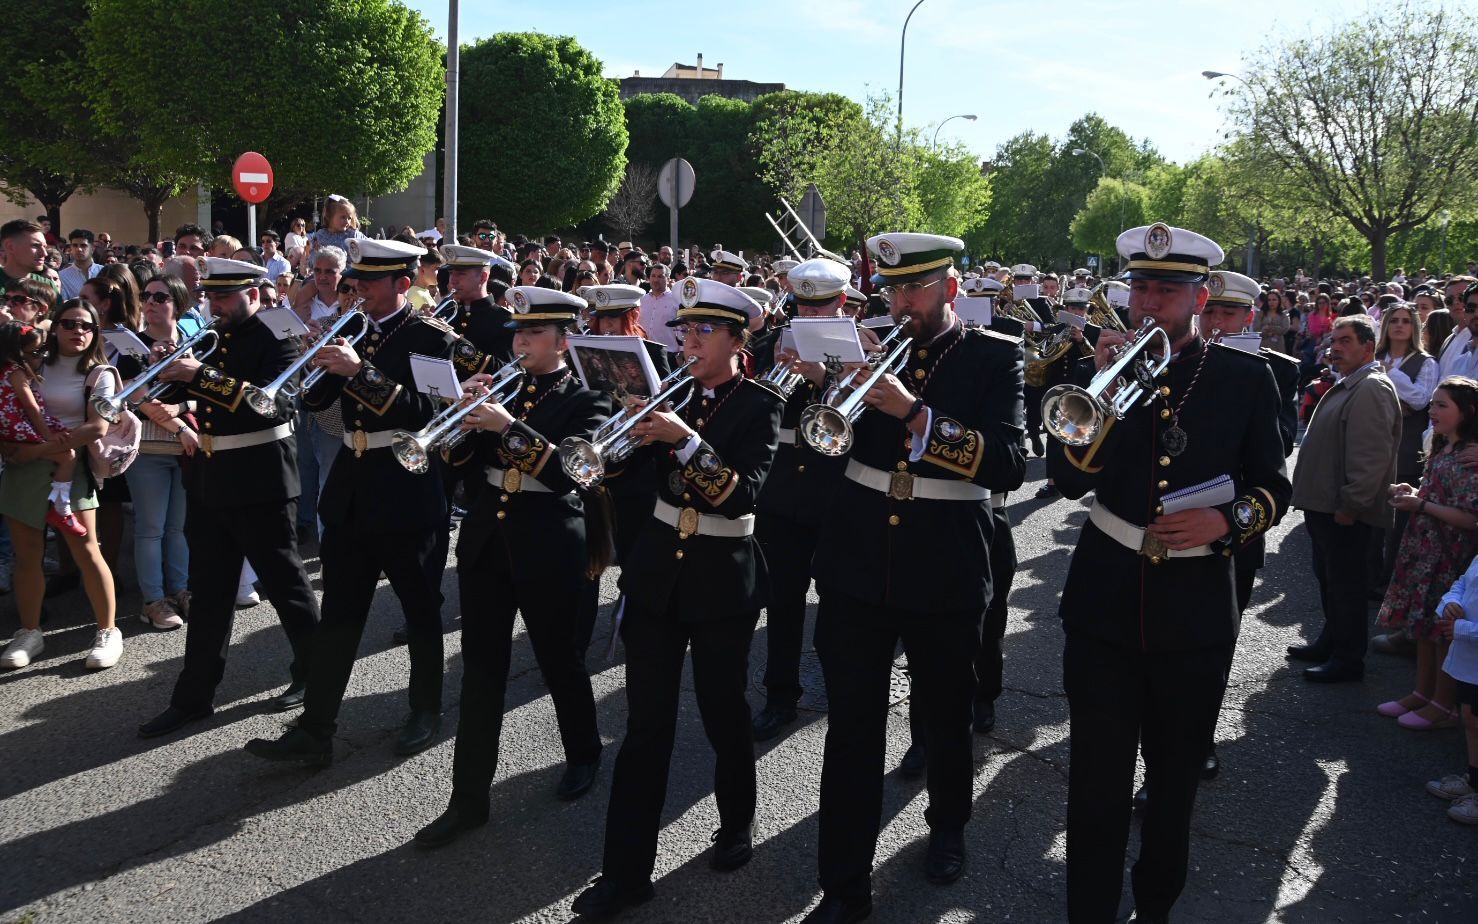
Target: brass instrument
[
  {"x": 1049, "y": 350},
  {"x": 1100, "y": 312},
  {"x": 781, "y": 379},
  {"x": 444, "y": 432},
  {"x": 1076, "y": 416},
  {"x": 585, "y": 461},
  {"x": 263, "y": 399},
  {"x": 111, "y": 408},
  {"x": 827, "y": 426}
]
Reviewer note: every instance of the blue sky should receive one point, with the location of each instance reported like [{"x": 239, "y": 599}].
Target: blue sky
[{"x": 1017, "y": 66}]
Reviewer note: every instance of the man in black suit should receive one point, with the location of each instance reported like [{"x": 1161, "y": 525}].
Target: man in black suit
[
  {"x": 378, "y": 517},
  {"x": 904, "y": 553},
  {"x": 243, "y": 487},
  {"x": 1150, "y": 606},
  {"x": 1045, "y": 314}
]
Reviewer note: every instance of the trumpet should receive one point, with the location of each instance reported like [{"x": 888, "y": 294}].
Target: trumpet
[
  {"x": 444, "y": 432},
  {"x": 781, "y": 379},
  {"x": 834, "y": 394},
  {"x": 1076, "y": 416},
  {"x": 827, "y": 427},
  {"x": 585, "y": 461},
  {"x": 263, "y": 399},
  {"x": 111, "y": 408}
]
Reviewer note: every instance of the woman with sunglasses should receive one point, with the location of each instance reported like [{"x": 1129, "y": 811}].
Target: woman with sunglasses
[
  {"x": 73, "y": 352},
  {"x": 30, "y": 302},
  {"x": 696, "y": 579},
  {"x": 161, "y": 556},
  {"x": 117, "y": 300}
]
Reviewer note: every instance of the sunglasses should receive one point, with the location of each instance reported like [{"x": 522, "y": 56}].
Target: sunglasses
[
  {"x": 20, "y": 300},
  {"x": 78, "y": 324},
  {"x": 484, "y": 236},
  {"x": 158, "y": 298},
  {"x": 344, "y": 288}
]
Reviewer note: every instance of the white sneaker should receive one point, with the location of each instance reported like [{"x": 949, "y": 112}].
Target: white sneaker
[
  {"x": 1465, "y": 810},
  {"x": 1450, "y": 787},
  {"x": 24, "y": 646},
  {"x": 247, "y": 597},
  {"x": 107, "y": 648}
]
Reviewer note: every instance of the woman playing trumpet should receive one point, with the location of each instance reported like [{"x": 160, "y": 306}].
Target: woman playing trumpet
[{"x": 522, "y": 547}]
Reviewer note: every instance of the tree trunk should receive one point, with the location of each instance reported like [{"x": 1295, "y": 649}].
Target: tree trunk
[
  {"x": 1377, "y": 238},
  {"x": 153, "y": 211},
  {"x": 1318, "y": 272}
]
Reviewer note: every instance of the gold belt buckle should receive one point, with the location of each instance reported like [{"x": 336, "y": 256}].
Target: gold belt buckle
[
  {"x": 512, "y": 480},
  {"x": 1153, "y": 548},
  {"x": 900, "y": 486},
  {"x": 687, "y": 522},
  {"x": 207, "y": 443},
  {"x": 361, "y": 443}
]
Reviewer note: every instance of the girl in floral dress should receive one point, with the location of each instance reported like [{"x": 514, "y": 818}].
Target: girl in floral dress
[
  {"x": 23, "y": 418},
  {"x": 1441, "y": 538}
]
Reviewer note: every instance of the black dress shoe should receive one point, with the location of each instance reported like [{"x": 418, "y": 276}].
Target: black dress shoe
[
  {"x": 400, "y": 636},
  {"x": 172, "y": 719},
  {"x": 732, "y": 849},
  {"x": 291, "y": 698},
  {"x": 770, "y": 720},
  {"x": 450, "y": 825},
  {"x": 1311, "y": 653},
  {"x": 837, "y": 910},
  {"x": 607, "y": 897},
  {"x": 1036, "y": 441},
  {"x": 1334, "y": 672},
  {"x": 985, "y": 718},
  {"x": 1141, "y": 799},
  {"x": 418, "y": 733},
  {"x": 577, "y": 779},
  {"x": 915, "y": 761},
  {"x": 296, "y": 746},
  {"x": 945, "y": 861},
  {"x": 1046, "y": 491}
]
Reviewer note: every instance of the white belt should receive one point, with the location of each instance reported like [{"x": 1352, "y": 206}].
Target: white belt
[
  {"x": 214, "y": 444},
  {"x": 998, "y": 500},
  {"x": 1135, "y": 538},
  {"x": 904, "y": 486},
  {"x": 512, "y": 481},
  {"x": 693, "y": 523},
  {"x": 787, "y": 436},
  {"x": 360, "y": 440}
]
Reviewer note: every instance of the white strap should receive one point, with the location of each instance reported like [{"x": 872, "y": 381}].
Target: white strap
[
  {"x": 500, "y": 479},
  {"x": 706, "y": 524},
  {"x": 905, "y": 486},
  {"x": 214, "y": 444},
  {"x": 787, "y": 436},
  {"x": 1132, "y": 537},
  {"x": 373, "y": 439}
]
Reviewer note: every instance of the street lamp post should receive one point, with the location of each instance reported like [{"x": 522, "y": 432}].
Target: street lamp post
[
  {"x": 902, "y": 42},
  {"x": 1103, "y": 171},
  {"x": 1446, "y": 218},
  {"x": 452, "y": 138},
  {"x": 1252, "y": 238},
  {"x": 935, "y": 142}
]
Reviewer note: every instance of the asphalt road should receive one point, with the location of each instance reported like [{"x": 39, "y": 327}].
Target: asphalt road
[{"x": 1318, "y": 816}]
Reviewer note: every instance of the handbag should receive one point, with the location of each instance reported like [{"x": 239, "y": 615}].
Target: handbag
[{"x": 112, "y": 453}]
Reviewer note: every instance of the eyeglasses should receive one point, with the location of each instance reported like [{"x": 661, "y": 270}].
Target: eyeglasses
[
  {"x": 701, "y": 331},
  {"x": 158, "y": 298},
  {"x": 86, "y": 327},
  {"x": 345, "y": 288},
  {"x": 21, "y": 300},
  {"x": 908, "y": 289}
]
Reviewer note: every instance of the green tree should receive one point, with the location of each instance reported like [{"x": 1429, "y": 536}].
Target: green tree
[
  {"x": 791, "y": 133},
  {"x": 1112, "y": 206},
  {"x": 543, "y": 133},
  {"x": 870, "y": 184},
  {"x": 1375, "y": 122},
  {"x": 339, "y": 95},
  {"x": 954, "y": 196},
  {"x": 1018, "y": 183}
]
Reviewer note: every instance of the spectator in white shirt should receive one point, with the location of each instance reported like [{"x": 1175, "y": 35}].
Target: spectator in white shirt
[
  {"x": 79, "y": 245},
  {"x": 328, "y": 264},
  {"x": 658, "y": 307},
  {"x": 297, "y": 236},
  {"x": 1459, "y": 356},
  {"x": 272, "y": 259}
]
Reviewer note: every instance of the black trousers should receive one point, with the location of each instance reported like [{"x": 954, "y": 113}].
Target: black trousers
[
  {"x": 1344, "y": 585},
  {"x": 559, "y": 627},
  {"x": 1034, "y": 395},
  {"x": 473, "y": 478},
  {"x": 219, "y": 539},
  {"x": 788, "y": 546},
  {"x": 856, "y": 641},
  {"x": 352, "y": 564},
  {"x": 655, "y": 643},
  {"x": 1121, "y": 700},
  {"x": 632, "y": 510}
]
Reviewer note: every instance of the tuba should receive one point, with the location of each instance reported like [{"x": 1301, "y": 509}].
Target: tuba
[{"x": 1100, "y": 312}]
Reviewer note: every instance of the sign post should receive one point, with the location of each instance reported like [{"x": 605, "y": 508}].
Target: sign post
[
  {"x": 252, "y": 177},
  {"x": 675, "y": 189}
]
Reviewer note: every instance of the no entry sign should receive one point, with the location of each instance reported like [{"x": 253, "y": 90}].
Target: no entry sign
[{"x": 252, "y": 177}]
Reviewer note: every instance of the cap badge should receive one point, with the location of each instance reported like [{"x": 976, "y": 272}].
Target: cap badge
[
  {"x": 601, "y": 296},
  {"x": 689, "y": 295},
  {"x": 520, "y": 302},
  {"x": 354, "y": 250},
  {"x": 1157, "y": 241},
  {"x": 807, "y": 287},
  {"x": 887, "y": 252},
  {"x": 1216, "y": 284},
  {"x": 202, "y": 266}
]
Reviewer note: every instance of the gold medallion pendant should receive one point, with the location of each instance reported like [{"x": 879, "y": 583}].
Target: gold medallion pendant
[
  {"x": 361, "y": 443},
  {"x": 512, "y": 480},
  {"x": 687, "y": 522}
]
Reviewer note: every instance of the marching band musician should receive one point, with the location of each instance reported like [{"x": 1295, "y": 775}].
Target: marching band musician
[
  {"x": 378, "y": 517},
  {"x": 522, "y": 549},
  {"x": 793, "y": 503},
  {"x": 927, "y": 453},
  {"x": 1024, "y": 274},
  {"x": 1149, "y": 606},
  {"x": 764, "y": 333},
  {"x": 614, "y": 312},
  {"x": 242, "y": 488},
  {"x": 696, "y": 579},
  {"x": 1074, "y": 301}
]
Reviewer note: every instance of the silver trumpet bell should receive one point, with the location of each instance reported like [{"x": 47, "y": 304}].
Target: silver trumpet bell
[
  {"x": 781, "y": 379},
  {"x": 585, "y": 461},
  {"x": 263, "y": 399},
  {"x": 444, "y": 432},
  {"x": 111, "y": 408},
  {"x": 827, "y": 427},
  {"x": 1075, "y": 415}
]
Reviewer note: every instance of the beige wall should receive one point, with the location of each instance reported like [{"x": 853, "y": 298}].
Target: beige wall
[{"x": 108, "y": 210}]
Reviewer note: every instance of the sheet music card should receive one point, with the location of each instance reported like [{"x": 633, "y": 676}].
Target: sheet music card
[
  {"x": 436, "y": 377},
  {"x": 819, "y": 340},
  {"x": 127, "y": 343},
  {"x": 283, "y": 322}
]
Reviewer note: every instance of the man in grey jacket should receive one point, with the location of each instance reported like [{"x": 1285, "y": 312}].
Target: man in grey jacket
[{"x": 1345, "y": 465}]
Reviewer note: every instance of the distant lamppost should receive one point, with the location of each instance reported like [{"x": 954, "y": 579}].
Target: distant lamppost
[
  {"x": 902, "y": 43},
  {"x": 935, "y": 142},
  {"x": 1446, "y": 218},
  {"x": 1103, "y": 171},
  {"x": 1252, "y": 238}
]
